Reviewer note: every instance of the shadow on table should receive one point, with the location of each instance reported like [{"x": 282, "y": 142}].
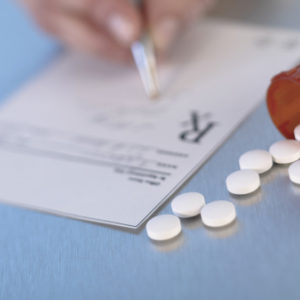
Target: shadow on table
[{"x": 170, "y": 245}]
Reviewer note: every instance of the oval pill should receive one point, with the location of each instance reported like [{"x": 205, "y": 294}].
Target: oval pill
[
  {"x": 243, "y": 182},
  {"x": 218, "y": 213},
  {"x": 188, "y": 205},
  {"x": 297, "y": 133},
  {"x": 285, "y": 151},
  {"x": 163, "y": 227},
  {"x": 260, "y": 161},
  {"x": 294, "y": 172}
]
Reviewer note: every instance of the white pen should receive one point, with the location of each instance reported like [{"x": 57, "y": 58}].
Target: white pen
[{"x": 144, "y": 57}]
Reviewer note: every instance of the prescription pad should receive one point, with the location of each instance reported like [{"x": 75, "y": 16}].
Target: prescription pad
[{"x": 82, "y": 140}]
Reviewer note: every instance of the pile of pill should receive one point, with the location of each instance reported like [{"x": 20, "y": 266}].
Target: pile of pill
[{"x": 242, "y": 182}]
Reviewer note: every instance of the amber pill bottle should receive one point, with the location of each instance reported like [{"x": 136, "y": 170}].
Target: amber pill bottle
[{"x": 283, "y": 101}]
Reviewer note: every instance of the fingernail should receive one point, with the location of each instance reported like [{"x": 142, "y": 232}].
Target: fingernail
[
  {"x": 122, "y": 29},
  {"x": 165, "y": 32}
]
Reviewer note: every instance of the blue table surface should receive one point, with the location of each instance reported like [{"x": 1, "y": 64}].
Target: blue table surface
[
  {"x": 24, "y": 48},
  {"x": 48, "y": 257}
]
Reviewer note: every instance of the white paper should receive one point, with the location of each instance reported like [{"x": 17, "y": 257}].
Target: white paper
[{"x": 82, "y": 140}]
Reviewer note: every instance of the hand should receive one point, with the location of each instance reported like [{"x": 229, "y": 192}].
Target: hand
[{"x": 108, "y": 27}]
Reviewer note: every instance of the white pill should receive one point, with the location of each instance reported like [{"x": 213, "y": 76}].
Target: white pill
[
  {"x": 242, "y": 182},
  {"x": 257, "y": 160},
  {"x": 188, "y": 205},
  {"x": 294, "y": 172},
  {"x": 285, "y": 151},
  {"x": 297, "y": 133},
  {"x": 163, "y": 227},
  {"x": 218, "y": 213}
]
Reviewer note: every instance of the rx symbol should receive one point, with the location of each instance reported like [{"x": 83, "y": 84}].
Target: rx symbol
[{"x": 199, "y": 125}]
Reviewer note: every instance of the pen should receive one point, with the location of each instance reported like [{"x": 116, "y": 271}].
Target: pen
[{"x": 144, "y": 57}]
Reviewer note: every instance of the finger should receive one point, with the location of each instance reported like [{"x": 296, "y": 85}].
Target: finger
[
  {"x": 78, "y": 32},
  {"x": 120, "y": 18},
  {"x": 166, "y": 18}
]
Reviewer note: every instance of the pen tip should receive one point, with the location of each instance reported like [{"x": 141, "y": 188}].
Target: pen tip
[{"x": 154, "y": 94}]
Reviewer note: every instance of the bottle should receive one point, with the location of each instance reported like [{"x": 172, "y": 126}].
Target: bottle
[{"x": 283, "y": 101}]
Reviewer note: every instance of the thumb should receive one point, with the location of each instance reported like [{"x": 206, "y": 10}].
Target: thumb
[{"x": 120, "y": 18}]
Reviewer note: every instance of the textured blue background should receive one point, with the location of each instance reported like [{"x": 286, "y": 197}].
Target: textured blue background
[{"x": 23, "y": 48}]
